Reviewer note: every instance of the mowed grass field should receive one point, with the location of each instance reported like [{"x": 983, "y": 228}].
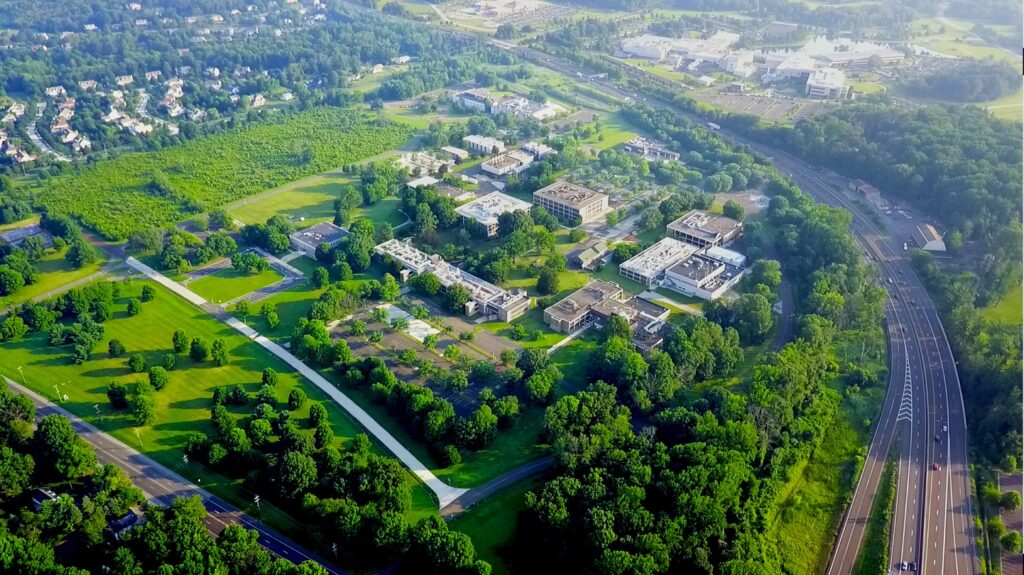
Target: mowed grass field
[
  {"x": 54, "y": 272},
  {"x": 228, "y": 283},
  {"x": 1007, "y": 310},
  {"x": 614, "y": 131},
  {"x": 937, "y": 36},
  {"x": 184, "y": 405},
  {"x": 493, "y": 523},
  {"x": 314, "y": 201}
]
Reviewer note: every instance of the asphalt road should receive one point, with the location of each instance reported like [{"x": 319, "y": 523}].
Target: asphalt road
[{"x": 162, "y": 486}]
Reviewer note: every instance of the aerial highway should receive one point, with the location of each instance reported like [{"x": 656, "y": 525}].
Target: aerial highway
[
  {"x": 923, "y": 412},
  {"x": 162, "y": 485}
]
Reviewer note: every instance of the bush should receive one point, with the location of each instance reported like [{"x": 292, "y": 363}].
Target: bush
[
  {"x": 170, "y": 361},
  {"x": 158, "y": 377},
  {"x": 137, "y": 363},
  {"x": 296, "y": 399},
  {"x": 115, "y": 348},
  {"x": 117, "y": 393},
  {"x": 450, "y": 456}
]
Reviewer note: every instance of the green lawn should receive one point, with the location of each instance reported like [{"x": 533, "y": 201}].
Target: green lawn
[
  {"x": 291, "y": 304},
  {"x": 227, "y": 284},
  {"x": 868, "y": 87},
  {"x": 183, "y": 407},
  {"x": 1009, "y": 108},
  {"x": 614, "y": 131},
  {"x": 1007, "y": 310},
  {"x": 493, "y": 523},
  {"x": 610, "y": 273},
  {"x": 531, "y": 320},
  {"x": 20, "y": 224},
  {"x": 54, "y": 272},
  {"x": 314, "y": 201}
]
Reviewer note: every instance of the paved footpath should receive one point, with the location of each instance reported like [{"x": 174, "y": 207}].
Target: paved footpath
[
  {"x": 162, "y": 486},
  {"x": 445, "y": 493}
]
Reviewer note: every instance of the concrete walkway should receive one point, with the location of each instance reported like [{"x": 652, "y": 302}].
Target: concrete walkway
[
  {"x": 567, "y": 339},
  {"x": 445, "y": 493}
]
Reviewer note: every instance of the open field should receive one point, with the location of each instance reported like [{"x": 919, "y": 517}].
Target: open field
[
  {"x": 313, "y": 201},
  {"x": 1009, "y": 108},
  {"x": 139, "y": 190},
  {"x": 227, "y": 284},
  {"x": 614, "y": 131},
  {"x": 54, "y": 272},
  {"x": 937, "y": 36},
  {"x": 1007, "y": 310},
  {"x": 493, "y": 522},
  {"x": 184, "y": 405}
]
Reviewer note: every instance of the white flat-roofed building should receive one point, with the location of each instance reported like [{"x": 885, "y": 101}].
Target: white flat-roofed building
[
  {"x": 648, "y": 267},
  {"x": 511, "y": 162},
  {"x": 485, "y": 297},
  {"x": 422, "y": 182},
  {"x": 308, "y": 239},
  {"x": 571, "y": 203},
  {"x": 703, "y": 229},
  {"x": 423, "y": 163},
  {"x": 476, "y": 99},
  {"x": 485, "y": 210},
  {"x": 521, "y": 107},
  {"x": 539, "y": 151},
  {"x": 484, "y": 144},
  {"x": 457, "y": 154},
  {"x": 649, "y": 46},
  {"x": 702, "y": 277},
  {"x": 860, "y": 59},
  {"x": 727, "y": 256},
  {"x": 650, "y": 149},
  {"x": 826, "y": 83}
]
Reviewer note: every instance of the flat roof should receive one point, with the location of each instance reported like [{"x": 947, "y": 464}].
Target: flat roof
[
  {"x": 420, "y": 182},
  {"x": 507, "y": 159},
  {"x": 658, "y": 257},
  {"x": 696, "y": 267},
  {"x": 322, "y": 233},
  {"x": 703, "y": 224},
  {"x": 487, "y": 209},
  {"x": 580, "y": 302},
  {"x": 567, "y": 193}
]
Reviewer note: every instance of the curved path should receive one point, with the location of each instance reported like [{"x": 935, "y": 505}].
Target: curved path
[{"x": 445, "y": 493}]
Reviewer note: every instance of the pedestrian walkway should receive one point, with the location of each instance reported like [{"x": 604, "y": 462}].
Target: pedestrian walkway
[
  {"x": 567, "y": 339},
  {"x": 444, "y": 492}
]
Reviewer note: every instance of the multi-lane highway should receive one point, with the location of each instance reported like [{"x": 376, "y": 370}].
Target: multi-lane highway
[{"x": 162, "y": 486}]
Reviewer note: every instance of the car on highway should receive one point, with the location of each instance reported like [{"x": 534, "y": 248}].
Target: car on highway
[
  {"x": 936, "y": 466},
  {"x": 903, "y": 566},
  {"x": 945, "y": 429},
  {"x": 936, "y": 437},
  {"x": 913, "y": 566}
]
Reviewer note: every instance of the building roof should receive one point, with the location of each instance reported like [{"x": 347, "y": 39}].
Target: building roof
[
  {"x": 829, "y": 78},
  {"x": 696, "y": 267},
  {"x": 421, "y": 182},
  {"x": 593, "y": 252},
  {"x": 567, "y": 193},
  {"x": 322, "y": 233},
  {"x": 508, "y": 159},
  {"x": 477, "y": 94},
  {"x": 487, "y": 209},
  {"x": 703, "y": 224},
  {"x": 658, "y": 257},
  {"x": 926, "y": 234},
  {"x": 726, "y": 255},
  {"x": 581, "y": 301},
  {"x": 457, "y": 152},
  {"x": 486, "y": 142}
]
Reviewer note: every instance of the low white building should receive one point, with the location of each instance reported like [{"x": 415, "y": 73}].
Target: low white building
[
  {"x": 485, "y": 210},
  {"x": 702, "y": 277},
  {"x": 484, "y": 144},
  {"x": 308, "y": 239},
  {"x": 511, "y": 162},
  {"x": 827, "y": 83},
  {"x": 648, "y": 267}
]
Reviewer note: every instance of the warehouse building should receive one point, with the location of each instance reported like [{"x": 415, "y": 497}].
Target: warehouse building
[
  {"x": 486, "y": 298},
  {"x": 648, "y": 267},
  {"x": 570, "y": 203},
  {"x": 485, "y": 210},
  {"x": 703, "y": 229}
]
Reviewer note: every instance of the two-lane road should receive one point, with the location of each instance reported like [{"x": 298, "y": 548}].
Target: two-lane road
[{"x": 162, "y": 486}]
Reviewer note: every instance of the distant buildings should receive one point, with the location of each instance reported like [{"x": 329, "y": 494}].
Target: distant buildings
[
  {"x": 571, "y": 203},
  {"x": 704, "y": 276},
  {"x": 308, "y": 239},
  {"x": 484, "y": 145},
  {"x": 422, "y": 163},
  {"x": 457, "y": 154},
  {"x": 521, "y": 107},
  {"x": 485, "y": 210},
  {"x": 477, "y": 99},
  {"x": 650, "y": 149},
  {"x": 703, "y": 229},
  {"x": 485, "y": 297},
  {"x": 827, "y": 83}
]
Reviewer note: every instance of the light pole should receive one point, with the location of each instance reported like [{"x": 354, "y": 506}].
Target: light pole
[
  {"x": 22, "y": 372},
  {"x": 137, "y": 436},
  {"x": 256, "y": 499}
]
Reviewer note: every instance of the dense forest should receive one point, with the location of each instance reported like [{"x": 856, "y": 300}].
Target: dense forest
[{"x": 968, "y": 82}]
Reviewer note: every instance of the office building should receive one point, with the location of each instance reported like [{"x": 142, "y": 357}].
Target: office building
[
  {"x": 570, "y": 203},
  {"x": 484, "y": 145},
  {"x": 703, "y": 229},
  {"x": 648, "y": 267},
  {"x": 485, "y": 210},
  {"x": 596, "y": 302},
  {"x": 702, "y": 276},
  {"x": 307, "y": 240}
]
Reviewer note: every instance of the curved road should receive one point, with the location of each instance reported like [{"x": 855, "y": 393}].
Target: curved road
[{"x": 162, "y": 486}]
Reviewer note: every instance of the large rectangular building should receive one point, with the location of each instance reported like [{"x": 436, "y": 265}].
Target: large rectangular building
[
  {"x": 485, "y": 210},
  {"x": 599, "y": 300},
  {"x": 648, "y": 267},
  {"x": 703, "y": 229},
  {"x": 571, "y": 203},
  {"x": 485, "y": 297},
  {"x": 702, "y": 276},
  {"x": 484, "y": 145},
  {"x": 511, "y": 162}
]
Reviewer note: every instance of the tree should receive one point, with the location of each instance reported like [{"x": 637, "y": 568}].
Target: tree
[
  {"x": 296, "y": 399},
  {"x": 137, "y": 363},
  {"x": 270, "y": 377},
  {"x": 158, "y": 377},
  {"x": 148, "y": 293},
  {"x": 547, "y": 282},
  {"x": 199, "y": 350},
  {"x": 117, "y": 394},
  {"x": 10, "y": 280},
  {"x": 60, "y": 452},
  {"x": 509, "y": 356},
  {"x": 426, "y": 283},
  {"x": 12, "y": 328},
  {"x": 180, "y": 341},
  {"x": 242, "y": 309},
  {"x": 616, "y": 326},
  {"x": 1011, "y": 542},
  {"x": 317, "y": 415},
  {"x": 532, "y": 360},
  {"x": 219, "y": 352},
  {"x": 321, "y": 277},
  {"x": 455, "y": 298},
  {"x": 15, "y": 473},
  {"x": 81, "y": 253},
  {"x": 1010, "y": 500},
  {"x": 752, "y": 317},
  {"x": 733, "y": 209},
  {"x": 766, "y": 272},
  {"x": 296, "y": 474},
  {"x": 134, "y": 307},
  {"x": 143, "y": 405},
  {"x": 170, "y": 361}
]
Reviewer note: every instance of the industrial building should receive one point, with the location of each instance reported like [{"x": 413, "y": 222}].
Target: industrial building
[
  {"x": 597, "y": 301},
  {"x": 511, "y": 162},
  {"x": 307, "y": 240},
  {"x": 648, "y": 267},
  {"x": 484, "y": 145},
  {"x": 485, "y": 210},
  {"x": 485, "y": 298},
  {"x": 703, "y": 229},
  {"x": 476, "y": 99},
  {"x": 571, "y": 203},
  {"x": 928, "y": 238}
]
